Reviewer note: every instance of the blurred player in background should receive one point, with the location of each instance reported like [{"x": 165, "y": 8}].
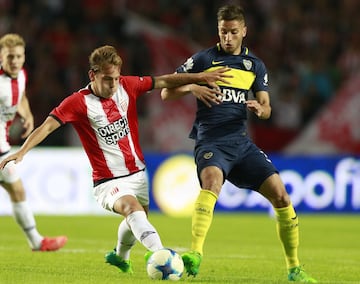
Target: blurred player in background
[
  {"x": 223, "y": 149},
  {"x": 13, "y": 101},
  {"x": 105, "y": 117}
]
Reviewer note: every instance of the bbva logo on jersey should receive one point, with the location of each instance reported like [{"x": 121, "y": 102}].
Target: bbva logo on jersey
[{"x": 231, "y": 95}]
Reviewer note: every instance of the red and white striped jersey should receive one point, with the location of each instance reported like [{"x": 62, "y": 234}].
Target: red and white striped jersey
[
  {"x": 108, "y": 128},
  {"x": 11, "y": 92}
]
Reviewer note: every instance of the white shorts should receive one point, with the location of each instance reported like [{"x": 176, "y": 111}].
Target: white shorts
[
  {"x": 9, "y": 174},
  {"x": 136, "y": 185}
]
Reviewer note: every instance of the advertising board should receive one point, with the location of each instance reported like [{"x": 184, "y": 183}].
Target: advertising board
[{"x": 58, "y": 181}]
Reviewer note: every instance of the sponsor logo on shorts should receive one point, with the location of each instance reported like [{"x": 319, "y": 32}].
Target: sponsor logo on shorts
[
  {"x": 114, "y": 191},
  {"x": 208, "y": 155}
]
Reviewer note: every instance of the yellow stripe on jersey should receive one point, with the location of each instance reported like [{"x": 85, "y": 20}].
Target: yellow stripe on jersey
[{"x": 241, "y": 79}]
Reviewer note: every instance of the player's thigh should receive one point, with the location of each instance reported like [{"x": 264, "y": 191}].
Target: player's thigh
[
  {"x": 10, "y": 173},
  {"x": 274, "y": 190},
  {"x": 126, "y": 205},
  {"x": 252, "y": 169},
  {"x": 11, "y": 182},
  {"x": 212, "y": 178},
  {"x": 211, "y": 155},
  {"x": 136, "y": 186}
]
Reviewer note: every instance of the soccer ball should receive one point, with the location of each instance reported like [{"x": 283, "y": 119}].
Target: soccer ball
[{"x": 165, "y": 264}]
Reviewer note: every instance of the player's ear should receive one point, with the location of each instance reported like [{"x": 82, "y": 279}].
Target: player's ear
[
  {"x": 91, "y": 74},
  {"x": 244, "y": 31}
]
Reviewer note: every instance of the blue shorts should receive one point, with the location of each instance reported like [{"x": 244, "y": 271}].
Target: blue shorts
[{"x": 242, "y": 162}]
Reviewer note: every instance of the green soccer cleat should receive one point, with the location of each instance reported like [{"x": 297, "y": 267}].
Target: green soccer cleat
[
  {"x": 147, "y": 255},
  {"x": 192, "y": 260},
  {"x": 124, "y": 265},
  {"x": 297, "y": 274}
]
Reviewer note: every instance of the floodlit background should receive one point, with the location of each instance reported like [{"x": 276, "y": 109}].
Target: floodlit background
[{"x": 311, "y": 50}]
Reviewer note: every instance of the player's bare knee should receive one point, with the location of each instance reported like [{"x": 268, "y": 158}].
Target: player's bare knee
[
  {"x": 213, "y": 186},
  {"x": 212, "y": 179},
  {"x": 15, "y": 191},
  {"x": 280, "y": 200},
  {"x": 126, "y": 206}
]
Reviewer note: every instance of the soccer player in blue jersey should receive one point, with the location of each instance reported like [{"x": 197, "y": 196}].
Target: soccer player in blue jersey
[{"x": 223, "y": 149}]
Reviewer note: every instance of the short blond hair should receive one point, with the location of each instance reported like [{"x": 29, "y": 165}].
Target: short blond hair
[
  {"x": 11, "y": 40},
  {"x": 104, "y": 55}
]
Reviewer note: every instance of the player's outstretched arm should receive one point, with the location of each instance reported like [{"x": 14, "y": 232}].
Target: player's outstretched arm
[
  {"x": 38, "y": 135},
  {"x": 205, "y": 94},
  {"x": 180, "y": 79}
]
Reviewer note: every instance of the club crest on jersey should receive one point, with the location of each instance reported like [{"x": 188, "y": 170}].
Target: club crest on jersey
[
  {"x": 123, "y": 106},
  {"x": 247, "y": 64},
  {"x": 208, "y": 155}
]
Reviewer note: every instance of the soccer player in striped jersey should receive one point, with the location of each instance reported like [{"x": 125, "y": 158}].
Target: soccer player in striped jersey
[
  {"x": 105, "y": 117},
  {"x": 13, "y": 101},
  {"x": 223, "y": 149}
]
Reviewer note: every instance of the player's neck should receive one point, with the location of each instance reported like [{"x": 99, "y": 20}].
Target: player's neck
[
  {"x": 92, "y": 89},
  {"x": 12, "y": 76}
]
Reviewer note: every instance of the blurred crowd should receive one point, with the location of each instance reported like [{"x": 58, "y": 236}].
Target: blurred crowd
[{"x": 309, "y": 48}]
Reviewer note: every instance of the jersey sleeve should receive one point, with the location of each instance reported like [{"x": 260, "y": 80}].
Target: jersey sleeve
[
  {"x": 135, "y": 86},
  {"x": 194, "y": 64},
  {"x": 261, "y": 82},
  {"x": 69, "y": 109}
]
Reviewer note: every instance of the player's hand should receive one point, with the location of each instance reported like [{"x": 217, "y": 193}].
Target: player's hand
[
  {"x": 208, "y": 96},
  {"x": 255, "y": 107},
  {"x": 217, "y": 75},
  {"x": 28, "y": 125},
  {"x": 17, "y": 157}
]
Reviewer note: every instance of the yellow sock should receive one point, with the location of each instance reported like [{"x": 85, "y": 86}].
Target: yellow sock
[
  {"x": 288, "y": 231},
  {"x": 202, "y": 218}
]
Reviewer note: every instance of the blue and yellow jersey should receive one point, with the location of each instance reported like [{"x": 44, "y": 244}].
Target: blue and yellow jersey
[{"x": 226, "y": 120}]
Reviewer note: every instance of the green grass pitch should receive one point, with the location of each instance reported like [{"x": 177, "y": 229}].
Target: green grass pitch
[{"x": 240, "y": 248}]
